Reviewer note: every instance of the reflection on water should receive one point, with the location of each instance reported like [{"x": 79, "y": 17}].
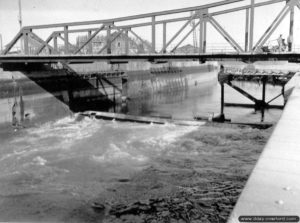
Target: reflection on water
[{"x": 204, "y": 100}]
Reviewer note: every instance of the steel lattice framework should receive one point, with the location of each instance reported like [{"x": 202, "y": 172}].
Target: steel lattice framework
[{"x": 199, "y": 16}]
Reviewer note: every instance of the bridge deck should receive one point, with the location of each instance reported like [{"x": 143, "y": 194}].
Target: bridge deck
[
  {"x": 274, "y": 185},
  {"x": 248, "y": 57}
]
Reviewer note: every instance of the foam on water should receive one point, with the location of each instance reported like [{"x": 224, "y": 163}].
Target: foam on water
[
  {"x": 116, "y": 153},
  {"x": 39, "y": 161}
]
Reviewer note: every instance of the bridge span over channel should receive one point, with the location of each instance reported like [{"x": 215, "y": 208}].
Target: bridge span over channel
[{"x": 191, "y": 21}]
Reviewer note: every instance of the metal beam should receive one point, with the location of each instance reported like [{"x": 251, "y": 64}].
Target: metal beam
[
  {"x": 108, "y": 44},
  {"x": 201, "y": 35},
  {"x": 246, "y": 94},
  {"x": 90, "y": 44},
  {"x": 157, "y": 22},
  {"x": 90, "y": 38},
  {"x": 204, "y": 36},
  {"x": 251, "y": 31},
  {"x": 126, "y": 42},
  {"x": 291, "y": 31},
  {"x": 184, "y": 38},
  {"x": 178, "y": 32},
  {"x": 202, "y": 30},
  {"x": 272, "y": 27},
  {"x": 55, "y": 44},
  {"x": 248, "y": 57},
  {"x": 164, "y": 37},
  {"x": 41, "y": 41},
  {"x": 66, "y": 37},
  {"x": 39, "y": 50},
  {"x": 247, "y": 30},
  {"x": 150, "y": 14},
  {"x": 70, "y": 44},
  {"x": 13, "y": 42},
  {"x": 227, "y": 37},
  {"x": 108, "y": 40},
  {"x": 141, "y": 16},
  {"x": 94, "y": 22},
  {"x": 26, "y": 42},
  {"x": 153, "y": 32},
  {"x": 142, "y": 41},
  {"x": 298, "y": 5}
]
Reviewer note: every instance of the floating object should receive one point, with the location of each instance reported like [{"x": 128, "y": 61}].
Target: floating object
[{"x": 139, "y": 119}]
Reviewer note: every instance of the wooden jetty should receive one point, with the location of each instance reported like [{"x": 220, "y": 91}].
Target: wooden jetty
[{"x": 264, "y": 77}]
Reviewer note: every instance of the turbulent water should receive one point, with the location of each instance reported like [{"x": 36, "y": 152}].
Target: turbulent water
[
  {"x": 55, "y": 171},
  {"x": 76, "y": 169},
  {"x": 74, "y": 158}
]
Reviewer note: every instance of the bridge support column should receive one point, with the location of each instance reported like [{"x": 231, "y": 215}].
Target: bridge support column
[
  {"x": 66, "y": 38},
  {"x": 153, "y": 35},
  {"x": 90, "y": 44}
]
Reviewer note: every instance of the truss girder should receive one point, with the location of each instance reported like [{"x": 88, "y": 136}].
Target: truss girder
[{"x": 109, "y": 24}]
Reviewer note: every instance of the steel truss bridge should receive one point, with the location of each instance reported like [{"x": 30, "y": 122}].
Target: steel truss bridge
[{"x": 48, "y": 50}]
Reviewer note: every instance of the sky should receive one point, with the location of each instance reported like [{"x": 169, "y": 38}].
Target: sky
[{"x": 36, "y": 12}]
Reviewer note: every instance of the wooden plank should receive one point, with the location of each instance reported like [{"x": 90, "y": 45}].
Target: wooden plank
[{"x": 139, "y": 119}]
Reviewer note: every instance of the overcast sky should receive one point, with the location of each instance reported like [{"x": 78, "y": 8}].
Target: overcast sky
[{"x": 56, "y": 11}]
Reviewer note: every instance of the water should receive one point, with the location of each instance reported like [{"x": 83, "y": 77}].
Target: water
[
  {"x": 204, "y": 99},
  {"x": 73, "y": 161},
  {"x": 55, "y": 171}
]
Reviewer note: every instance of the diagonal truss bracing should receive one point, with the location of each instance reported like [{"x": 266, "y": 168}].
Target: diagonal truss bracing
[
  {"x": 201, "y": 12},
  {"x": 227, "y": 37}
]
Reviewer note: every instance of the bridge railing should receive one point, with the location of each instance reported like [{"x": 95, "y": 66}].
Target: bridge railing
[{"x": 119, "y": 35}]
